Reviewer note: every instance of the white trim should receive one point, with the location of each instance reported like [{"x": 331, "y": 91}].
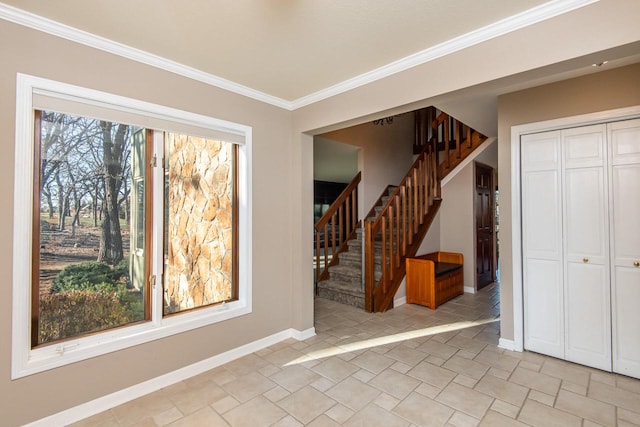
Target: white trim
[
  {"x": 112, "y": 400},
  {"x": 507, "y": 344},
  {"x": 475, "y": 153},
  {"x": 27, "y": 361},
  {"x": 39, "y": 23},
  {"x": 516, "y": 216},
  {"x": 529, "y": 17},
  {"x": 469, "y": 290},
  {"x": 303, "y": 335},
  {"x": 512, "y": 23},
  {"x": 400, "y": 301}
]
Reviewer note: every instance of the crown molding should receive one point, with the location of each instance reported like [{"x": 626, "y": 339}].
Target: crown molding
[
  {"x": 529, "y": 17},
  {"x": 36, "y": 22}
]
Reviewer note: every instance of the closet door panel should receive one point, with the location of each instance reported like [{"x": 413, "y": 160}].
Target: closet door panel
[
  {"x": 626, "y": 333},
  {"x": 624, "y": 140},
  {"x": 588, "y": 325},
  {"x": 586, "y": 241},
  {"x": 544, "y": 332},
  {"x": 542, "y": 243},
  {"x": 586, "y": 225}
]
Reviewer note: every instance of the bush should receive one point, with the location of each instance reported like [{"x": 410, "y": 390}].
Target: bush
[
  {"x": 70, "y": 313},
  {"x": 88, "y": 297},
  {"x": 86, "y": 275}
]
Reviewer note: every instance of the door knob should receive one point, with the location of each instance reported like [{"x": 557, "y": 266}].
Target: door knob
[
  {"x": 636, "y": 264},
  {"x": 585, "y": 259}
]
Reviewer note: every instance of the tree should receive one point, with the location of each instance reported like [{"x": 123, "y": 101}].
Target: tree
[{"x": 114, "y": 143}]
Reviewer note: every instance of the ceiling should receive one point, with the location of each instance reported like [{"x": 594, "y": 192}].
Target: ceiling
[
  {"x": 292, "y": 53},
  {"x": 288, "y": 49}
]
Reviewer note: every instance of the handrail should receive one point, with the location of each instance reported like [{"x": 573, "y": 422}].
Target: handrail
[
  {"x": 405, "y": 218},
  {"x": 336, "y": 227}
]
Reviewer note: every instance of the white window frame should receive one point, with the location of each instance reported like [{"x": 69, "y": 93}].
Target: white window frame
[{"x": 28, "y": 361}]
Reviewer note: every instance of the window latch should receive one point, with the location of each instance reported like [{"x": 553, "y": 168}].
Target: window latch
[
  {"x": 152, "y": 281},
  {"x": 154, "y": 161}
]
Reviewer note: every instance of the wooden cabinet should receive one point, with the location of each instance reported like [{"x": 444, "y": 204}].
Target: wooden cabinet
[{"x": 434, "y": 278}]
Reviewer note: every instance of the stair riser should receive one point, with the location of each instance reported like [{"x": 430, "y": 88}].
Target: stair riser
[
  {"x": 342, "y": 298},
  {"x": 356, "y": 281}
]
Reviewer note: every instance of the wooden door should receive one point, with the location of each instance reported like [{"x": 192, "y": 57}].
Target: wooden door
[
  {"x": 587, "y": 291},
  {"x": 485, "y": 236},
  {"x": 542, "y": 262},
  {"x": 624, "y": 152}
]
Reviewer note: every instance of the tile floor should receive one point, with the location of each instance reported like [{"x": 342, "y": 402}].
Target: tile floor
[{"x": 408, "y": 367}]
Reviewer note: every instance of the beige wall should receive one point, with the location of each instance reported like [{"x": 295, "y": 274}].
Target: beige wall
[
  {"x": 385, "y": 157},
  {"x": 36, "y": 396},
  {"x": 603, "y": 91}
]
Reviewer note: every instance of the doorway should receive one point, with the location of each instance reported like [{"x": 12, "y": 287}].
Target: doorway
[{"x": 484, "y": 225}]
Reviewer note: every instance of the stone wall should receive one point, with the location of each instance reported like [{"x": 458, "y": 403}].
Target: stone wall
[{"x": 199, "y": 223}]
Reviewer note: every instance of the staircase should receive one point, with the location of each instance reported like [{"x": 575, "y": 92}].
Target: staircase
[
  {"x": 398, "y": 222},
  {"x": 345, "y": 283}
]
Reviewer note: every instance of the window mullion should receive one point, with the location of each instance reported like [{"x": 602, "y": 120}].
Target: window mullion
[{"x": 157, "y": 227}]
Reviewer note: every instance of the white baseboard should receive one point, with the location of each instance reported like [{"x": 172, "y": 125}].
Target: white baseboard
[
  {"x": 112, "y": 400},
  {"x": 302, "y": 335},
  {"x": 400, "y": 301},
  {"x": 469, "y": 290},
  {"x": 507, "y": 344}
]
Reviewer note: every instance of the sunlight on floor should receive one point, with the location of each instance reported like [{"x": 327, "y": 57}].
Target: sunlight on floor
[{"x": 389, "y": 339}]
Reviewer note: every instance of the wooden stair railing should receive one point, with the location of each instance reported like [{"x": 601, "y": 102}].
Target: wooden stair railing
[
  {"x": 455, "y": 142},
  {"x": 407, "y": 216},
  {"x": 335, "y": 228},
  {"x": 423, "y": 120},
  {"x": 396, "y": 228}
]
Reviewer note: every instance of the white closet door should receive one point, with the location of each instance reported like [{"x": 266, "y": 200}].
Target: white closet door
[
  {"x": 542, "y": 243},
  {"x": 624, "y": 140},
  {"x": 587, "y": 306}
]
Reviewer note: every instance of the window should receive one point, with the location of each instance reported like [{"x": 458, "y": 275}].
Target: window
[{"x": 138, "y": 226}]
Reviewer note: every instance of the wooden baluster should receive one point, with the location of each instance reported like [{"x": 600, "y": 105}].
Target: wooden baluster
[
  {"x": 392, "y": 265},
  {"x": 458, "y": 141},
  {"x": 354, "y": 209},
  {"x": 369, "y": 266},
  {"x": 384, "y": 253},
  {"x": 340, "y": 230},
  {"x": 347, "y": 210},
  {"x": 398, "y": 249},
  {"x": 326, "y": 246},
  {"x": 469, "y": 135},
  {"x": 416, "y": 204},
  {"x": 425, "y": 187},
  {"x": 421, "y": 189},
  {"x": 446, "y": 144},
  {"x": 409, "y": 208},
  {"x": 318, "y": 270},
  {"x": 403, "y": 203}
]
